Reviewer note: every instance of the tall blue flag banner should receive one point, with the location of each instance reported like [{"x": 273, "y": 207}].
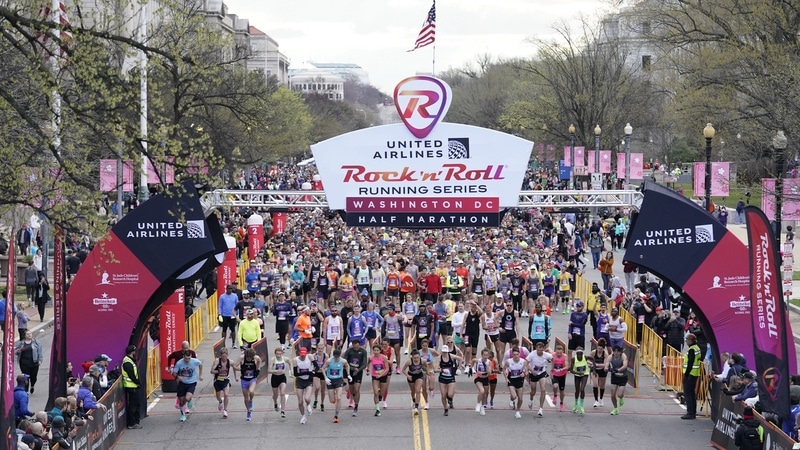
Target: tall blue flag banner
[
  {"x": 768, "y": 313},
  {"x": 7, "y": 424}
]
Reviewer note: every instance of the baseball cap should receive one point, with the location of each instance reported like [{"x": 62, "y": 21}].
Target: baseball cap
[
  {"x": 303, "y": 351},
  {"x": 579, "y": 304},
  {"x": 748, "y": 374},
  {"x": 445, "y": 349},
  {"x": 58, "y": 422},
  {"x": 748, "y": 413},
  {"x": 498, "y": 295},
  {"x": 615, "y": 309},
  {"x": 102, "y": 357},
  {"x": 391, "y": 307}
]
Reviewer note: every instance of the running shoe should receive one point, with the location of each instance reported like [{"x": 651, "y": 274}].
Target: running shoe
[
  {"x": 491, "y": 405},
  {"x": 190, "y": 404},
  {"x": 220, "y": 407},
  {"x": 601, "y": 402},
  {"x": 347, "y": 395},
  {"x": 530, "y": 406},
  {"x": 250, "y": 406},
  {"x": 248, "y": 416},
  {"x": 177, "y": 403},
  {"x": 450, "y": 403},
  {"x": 582, "y": 410},
  {"x": 384, "y": 405},
  {"x": 563, "y": 311},
  {"x": 335, "y": 419},
  {"x": 483, "y": 411},
  {"x": 575, "y": 407},
  {"x": 275, "y": 407},
  {"x": 224, "y": 413},
  {"x": 427, "y": 406},
  {"x": 511, "y": 404},
  {"x": 183, "y": 417},
  {"x": 478, "y": 408},
  {"x": 355, "y": 413},
  {"x": 540, "y": 414},
  {"x": 561, "y": 408},
  {"x": 596, "y": 404},
  {"x": 416, "y": 411},
  {"x": 446, "y": 413},
  {"x": 322, "y": 407},
  {"x": 614, "y": 412},
  {"x": 315, "y": 404},
  {"x": 622, "y": 401},
  {"x": 518, "y": 415},
  {"x": 309, "y": 411},
  {"x": 432, "y": 392},
  {"x": 397, "y": 371},
  {"x": 350, "y": 406},
  {"x": 458, "y": 371},
  {"x": 377, "y": 413},
  {"x": 283, "y": 415},
  {"x": 303, "y": 419}
]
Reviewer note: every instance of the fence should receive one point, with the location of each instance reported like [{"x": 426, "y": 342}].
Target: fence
[{"x": 153, "y": 370}]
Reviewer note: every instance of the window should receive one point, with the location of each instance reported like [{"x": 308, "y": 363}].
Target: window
[{"x": 646, "y": 59}]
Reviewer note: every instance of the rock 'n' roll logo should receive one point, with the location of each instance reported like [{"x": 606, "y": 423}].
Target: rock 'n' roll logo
[{"x": 422, "y": 102}]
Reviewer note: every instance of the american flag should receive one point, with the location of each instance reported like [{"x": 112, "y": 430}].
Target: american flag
[
  {"x": 56, "y": 12},
  {"x": 427, "y": 35}
]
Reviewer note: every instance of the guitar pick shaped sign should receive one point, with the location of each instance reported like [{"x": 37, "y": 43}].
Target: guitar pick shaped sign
[{"x": 422, "y": 102}]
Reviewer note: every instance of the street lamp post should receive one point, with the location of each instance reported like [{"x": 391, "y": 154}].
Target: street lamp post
[
  {"x": 779, "y": 142},
  {"x": 708, "y": 133},
  {"x": 571, "y": 156},
  {"x": 597, "y": 132},
  {"x": 628, "y": 131}
]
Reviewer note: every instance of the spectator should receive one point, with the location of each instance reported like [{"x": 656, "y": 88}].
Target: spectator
[
  {"x": 31, "y": 278},
  {"x": 29, "y": 354},
  {"x": 60, "y": 436},
  {"x": 86, "y": 400},
  {"x": 749, "y": 434},
  {"x": 3, "y": 309},
  {"x": 749, "y": 387},
  {"x": 21, "y": 410}
]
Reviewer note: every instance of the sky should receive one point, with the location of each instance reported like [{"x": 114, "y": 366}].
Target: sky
[{"x": 376, "y": 34}]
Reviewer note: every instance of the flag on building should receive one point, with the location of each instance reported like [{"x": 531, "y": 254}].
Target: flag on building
[{"x": 427, "y": 35}]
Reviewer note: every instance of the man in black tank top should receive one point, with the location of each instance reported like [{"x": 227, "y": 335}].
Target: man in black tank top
[{"x": 471, "y": 333}]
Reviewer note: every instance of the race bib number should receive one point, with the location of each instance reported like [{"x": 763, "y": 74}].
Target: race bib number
[
  {"x": 640, "y": 318},
  {"x": 279, "y": 366},
  {"x": 539, "y": 329},
  {"x": 377, "y": 368},
  {"x": 334, "y": 373},
  {"x": 515, "y": 291},
  {"x": 514, "y": 373},
  {"x": 281, "y": 315},
  {"x": 509, "y": 325},
  {"x": 576, "y": 330},
  {"x": 446, "y": 372},
  {"x": 478, "y": 289},
  {"x": 604, "y": 328},
  {"x": 538, "y": 368},
  {"x": 423, "y": 331}
]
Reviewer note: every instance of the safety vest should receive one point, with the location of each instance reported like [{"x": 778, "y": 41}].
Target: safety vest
[
  {"x": 127, "y": 382},
  {"x": 695, "y": 372}
]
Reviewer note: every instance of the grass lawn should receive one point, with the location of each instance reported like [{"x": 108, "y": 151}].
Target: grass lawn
[{"x": 795, "y": 301}]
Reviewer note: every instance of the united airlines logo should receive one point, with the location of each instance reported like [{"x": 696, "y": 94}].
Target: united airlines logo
[
  {"x": 195, "y": 229},
  {"x": 704, "y": 234},
  {"x": 458, "y": 148}
]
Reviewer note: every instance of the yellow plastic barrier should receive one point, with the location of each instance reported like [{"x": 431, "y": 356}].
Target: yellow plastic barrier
[
  {"x": 650, "y": 352},
  {"x": 210, "y": 309},
  {"x": 153, "y": 370},
  {"x": 673, "y": 370},
  {"x": 630, "y": 321},
  {"x": 194, "y": 329}
]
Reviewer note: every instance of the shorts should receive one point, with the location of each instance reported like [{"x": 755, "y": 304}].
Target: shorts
[
  {"x": 601, "y": 373},
  {"x": 185, "y": 388},
  {"x": 330, "y": 341},
  {"x": 458, "y": 341},
  {"x": 491, "y": 292},
  {"x": 534, "y": 377},
  {"x": 446, "y": 380},
  {"x": 445, "y": 328},
  {"x": 564, "y": 294},
  {"x": 392, "y": 292},
  {"x": 377, "y": 293},
  {"x": 220, "y": 385},
  {"x": 493, "y": 381},
  {"x": 416, "y": 376},
  {"x": 516, "y": 382},
  {"x": 319, "y": 375},
  {"x": 282, "y": 326},
  {"x": 228, "y": 323},
  {"x": 371, "y": 334},
  {"x": 357, "y": 377},
  {"x": 336, "y": 383},
  {"x": 455, "y": 296},
  {"x": 507, "y": 336},
  {"x": 323, "y": 293},
  {"x": 362, "y": 341},
  {"x": 431, "y": 297},
  {"x": 536, "y": 341},
  {"x": 276, "y": 380},
  {"x": 560, "y": 381},
  {"x": 383, "y": 379},
  {"x": 345, "y": 295},
  {"x": 472, "y": 340},
  {"x": 246, "y": 383},
  {"x": 576, "y": 341},
  {"x": 301, "y": 384},
  {"x": 619, "y": 379},
  {"x": 483, "y": 381},
  {"x": 246, "y": 345},
  {"x": 533, "y": 295},
  {"x": 493, "y": 337},
  {"x": 393, "y": 342}
]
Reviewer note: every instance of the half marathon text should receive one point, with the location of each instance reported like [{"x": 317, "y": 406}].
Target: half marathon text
[{"x": 423, "y": 220}]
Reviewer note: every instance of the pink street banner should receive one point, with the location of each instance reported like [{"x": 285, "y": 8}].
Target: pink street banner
[
  {"x": 550, "y": 152},
  {"x": 720, "y": 179},
  {"x": 590, "y": 161},
  {"x": 165, "y": 170},
  {"x": 539, "y": 152},
  {"x": 637, "y": 166},
  {"x": 579, "y": 155},
  {"x": 790, "y": 207},
  {"x": 108, "y": 175},
  {"x": 605, "y": 161}
]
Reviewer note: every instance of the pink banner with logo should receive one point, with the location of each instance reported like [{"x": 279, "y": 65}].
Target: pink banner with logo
[
  {"x": 590, "y": 161},
  {"x": 579, "y": 155},
  {"x": 790, "y": 206},
  {"x": 166, "y": 170},
  {"x": 605, "y": 161},
  {"x": 108, "y": 175},
  {"x": 637, "y": 166},
  {"x": 550, "y": 152},
  {"x": 720, "y": 179}
]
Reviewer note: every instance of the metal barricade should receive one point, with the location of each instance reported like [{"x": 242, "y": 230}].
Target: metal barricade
[{"x": 153, "y": 370}]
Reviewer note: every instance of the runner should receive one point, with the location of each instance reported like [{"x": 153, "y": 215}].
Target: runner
[
  {"x": 410, "y": 310},
  {"x": 394, "y": 336},
  {"x": 458, "y": 324},
  {"x": 278, "y": 368},
  {"x": 483, "y": 368},
  {"x": 221, "y": 369},
  {"x": 541, "y": 326},
  {"x": 248, "y": 364},
  {"x": 318, "y": 359},
  {"x": 580, "y": 371},
  {"x": 414, "y": 370},
  {"x": 357, "y": 326},
  {"x": 422, "y": 326},
  {"x": 599, "y": 361},
  {"x": 380, "y": 368},
  {"x": 477, "y": 285},
  {"x": 391, "y": 356},
  {"x": 515, "y": 370},
  {"x": 537, "y": 363},
  {"x": 282, "y": 310},
  {"x": 428, "y": 356},
  {"x": 602, "y": 320},
  {"x": 304, "y": 383},
  {"x": 470, "y": 332},
  {"x": 333, "y": 328},
  {"x": 448, "y": 364},
  {"x": 495, "y": 366},
  {"x": 559, "y": 372},
  {"x": 576, "y": 331},
  {"x": 618, "y": 367},
  {"x": 564, "y": 279},
  {"x": 617, "y": 329},
  {"x": 357, "y": 359},
  {"x": 374, "y": 323},
  {"x": 491, "y": 330},
  {"x": 187, "y": 371},
  {"x": 508, "y": 326},
  {"x": 335, "y": 369}
]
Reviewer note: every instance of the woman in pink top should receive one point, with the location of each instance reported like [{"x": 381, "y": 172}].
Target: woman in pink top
[
  {"x": 379, "y": 368},
  {"x": 559, "y": 372}
]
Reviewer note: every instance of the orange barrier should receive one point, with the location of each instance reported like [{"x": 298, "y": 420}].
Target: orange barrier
[
  {"x": 153, "y": 370},
  {"x": 650, "y": 351}
]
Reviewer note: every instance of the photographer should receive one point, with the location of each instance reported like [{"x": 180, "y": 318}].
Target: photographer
[{"x": 749, "y": 434}]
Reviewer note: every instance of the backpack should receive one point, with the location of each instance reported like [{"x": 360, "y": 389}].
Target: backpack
[
  {"x": 751, "y": 438},
  {"x": 620, "y": 297}
]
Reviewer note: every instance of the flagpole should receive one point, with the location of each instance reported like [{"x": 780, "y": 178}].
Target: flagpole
[
  {"x": 144, "y": 193},
  {"x": 433, "y": 65}
]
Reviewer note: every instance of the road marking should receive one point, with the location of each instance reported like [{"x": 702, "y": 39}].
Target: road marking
[
  {"x": 426, "y": 435},
  {"x": 417, "y": 437},
  {"x": 153, "y": 403},
  {"x": 550, "y": 401}
]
